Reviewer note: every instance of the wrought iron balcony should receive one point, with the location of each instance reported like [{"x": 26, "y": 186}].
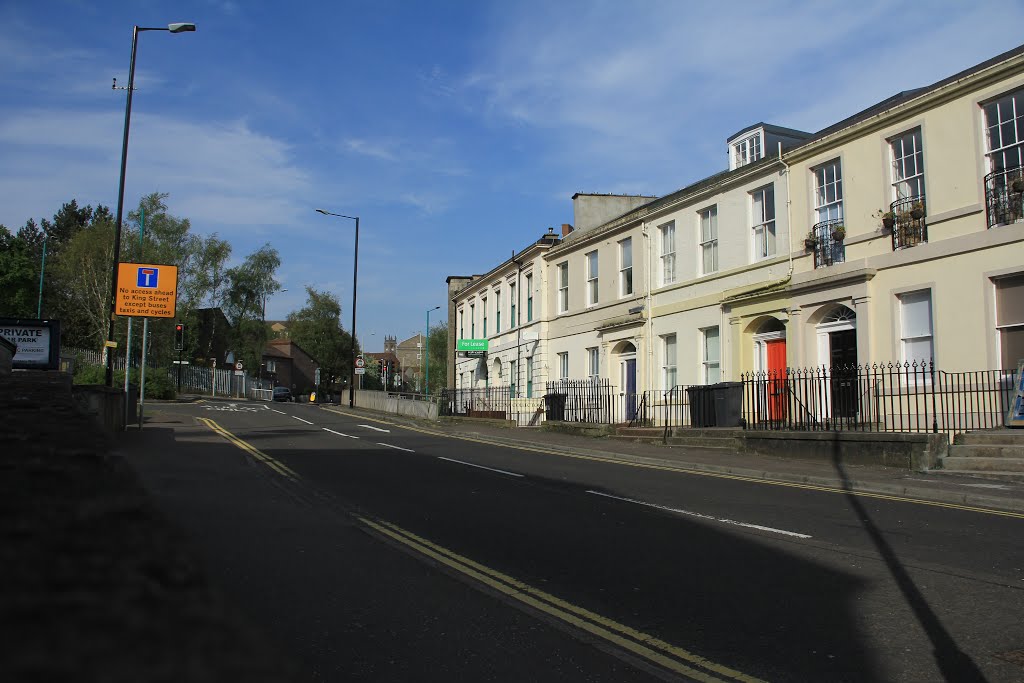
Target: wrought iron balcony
[
  {"x": 826, "y": 239},
  {"x": 909, "y": 227},
  {"x": 1004, "y": 196}
]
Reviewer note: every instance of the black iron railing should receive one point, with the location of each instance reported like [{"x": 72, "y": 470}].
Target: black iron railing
[
  {"x": 881, "y": 397},
  {"x": 495, "y": 402},
  {"x": 826, "y": 239},
  {"x": 909, "y": 227},
  {"x": 1004, "y": 196},
  {"x": 588, "y": 400}
]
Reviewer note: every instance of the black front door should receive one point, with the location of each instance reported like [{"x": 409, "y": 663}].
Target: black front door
[{"x": 843, "y": 359}]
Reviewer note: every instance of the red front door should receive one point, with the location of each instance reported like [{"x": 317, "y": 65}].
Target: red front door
[{"x": 776, "y": 352}]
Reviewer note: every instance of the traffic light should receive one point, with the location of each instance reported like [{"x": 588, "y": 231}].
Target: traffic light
[{"x": 179, "y": 336}]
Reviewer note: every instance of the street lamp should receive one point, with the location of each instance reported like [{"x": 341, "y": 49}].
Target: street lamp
[
  {"x": 355, "y": 282},
  {"x": 426, "y": 355},
  {"x": 181, "y": 27}
]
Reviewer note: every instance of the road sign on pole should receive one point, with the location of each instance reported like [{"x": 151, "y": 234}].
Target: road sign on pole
[{"x": 146, "y": 290}]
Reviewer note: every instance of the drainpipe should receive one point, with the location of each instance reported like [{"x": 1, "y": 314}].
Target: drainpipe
[
  {"x": 645, "y": 230},
  {"x": 789, "y": 212}
]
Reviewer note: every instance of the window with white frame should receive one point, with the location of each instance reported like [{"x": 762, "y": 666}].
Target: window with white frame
[
  {"x": 483, "y": 305},
  {"x": 563, "y": 365},
  {"x": 746, "y": 150},
  {"x": 592, "y": 291},
  {"x": 907, "y": 165},
  {"x": 472, "y": 321},
  {"x": 1004, "y": 125},
  {"x": 513, "y": 376},
  {"x": 593, "y": 363},
  {"x": 626, "y": 267},
  {"x": 916, "y": 326},
  {"x": 762, "y": 208},
  {"x": 711, "y": 355},
  {"x": 529, "y": 377},
  {"x": 563, "y": 287},
  {"x": 668, "y": 253},
  {"x": 512, "y": 322},
  {"x": 497, "y": 311},
  {"x": 529, "y": 297},
  {"x": 1010, "y": 319},
  {"x": 828, "y": 192},
  {"x": 669, "y": 374},
  {"x": 709, "y": 240},
  {"x": 462, "y": 323}
]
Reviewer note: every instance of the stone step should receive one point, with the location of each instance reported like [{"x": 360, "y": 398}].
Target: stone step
[
  {"x": 986, "y": 451},
  {"x": 995, "y": 437},
  {"x": 982, "y": 464}
]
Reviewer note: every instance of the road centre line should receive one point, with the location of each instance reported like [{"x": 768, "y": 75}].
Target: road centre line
[
  {"x": 702, "y": 516},
  {"x": 349, "y": 436},
  {"x": 397, "y": 448},
  {"x": 376, "y": 429},
  {"x": 301, "y": 420},
  {"x": 470, "y": 464},
  {"x": 716, "y": 475}
]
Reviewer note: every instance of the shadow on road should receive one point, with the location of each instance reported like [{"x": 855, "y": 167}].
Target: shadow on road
[{"x": 955, "y": 664}]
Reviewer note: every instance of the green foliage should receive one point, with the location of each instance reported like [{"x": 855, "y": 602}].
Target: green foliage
[
  {"x": 19, "y": 276},
  {"x": 158, "y": 384},
  {"x": 317, "y": 329},
  {"x": 438, "y": 354},
  {"x": 248, "y": 286}
]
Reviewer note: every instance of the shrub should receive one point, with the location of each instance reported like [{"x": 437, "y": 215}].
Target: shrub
[{"x": 158, "y": 384}]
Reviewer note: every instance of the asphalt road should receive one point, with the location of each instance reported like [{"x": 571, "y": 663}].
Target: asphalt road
[{"x": 371, "y": 551}]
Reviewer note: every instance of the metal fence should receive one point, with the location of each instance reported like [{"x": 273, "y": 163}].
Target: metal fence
[
  {"x": 681, "y": 406},
  {"x": 494, "y": 402},
  {"x": 881, "y": 397},
  {"x": 588, "y": 400}
]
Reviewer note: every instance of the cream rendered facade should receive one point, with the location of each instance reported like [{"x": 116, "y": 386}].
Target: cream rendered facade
[
  {"x": 506, "y": 307},
  {"x": 723, "y": 284}
]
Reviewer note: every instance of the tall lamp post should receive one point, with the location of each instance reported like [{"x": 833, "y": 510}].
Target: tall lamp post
[
  {"x": 183, "y": 27},
  {"x": 426, "y": 355},
  {"x": 355, "y": 282}
]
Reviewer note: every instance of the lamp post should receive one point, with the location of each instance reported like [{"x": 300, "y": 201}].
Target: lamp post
[
  {"x": 426, "y": 355},
  {"x": 355, "y": 282},
  {"x": 42, "y": 271},
  {"x": 182, "y": 27}
]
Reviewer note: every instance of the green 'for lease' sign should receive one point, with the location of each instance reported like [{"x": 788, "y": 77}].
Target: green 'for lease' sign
[{"x": 471, "y": 345}]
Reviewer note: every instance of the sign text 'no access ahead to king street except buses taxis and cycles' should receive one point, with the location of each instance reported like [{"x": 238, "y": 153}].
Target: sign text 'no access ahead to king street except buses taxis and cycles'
[{"x": 146, "y": 290}]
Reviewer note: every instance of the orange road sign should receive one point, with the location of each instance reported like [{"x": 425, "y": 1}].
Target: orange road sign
[{"x": 146, "y": 291}]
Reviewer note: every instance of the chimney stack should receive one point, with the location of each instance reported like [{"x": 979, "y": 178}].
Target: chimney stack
[{"x": 566, "y": 229}]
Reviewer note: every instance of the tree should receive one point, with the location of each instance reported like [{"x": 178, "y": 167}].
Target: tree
[
  {"x": 317, "y": 329},
  {"x": 248, "y": 286},
  {"x": 19, "y": 276},
  {"x": 82, "y": 273},
  {"x": 438, "y": 355}
]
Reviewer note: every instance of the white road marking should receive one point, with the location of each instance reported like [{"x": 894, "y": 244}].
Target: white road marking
[
  {"x": 340, "y": 434},
  {"x": 376, "y": 429},
  {"x": 279, "y": 411},
  {"x": 397, "y": 448},
  {"x": 697, "y": 514},
  {"x": 470, "y": 464},
  {"x": 301, "y": 420}
]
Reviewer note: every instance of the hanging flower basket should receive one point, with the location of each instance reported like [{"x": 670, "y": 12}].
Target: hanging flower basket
[
  {"x": 810, "y": 243},
  {"x": 839, "y": 233},
  {"x": 888, "y": 222},
  {"x": 917, "y": 212},
  {"x": 1018, "y": 186}
]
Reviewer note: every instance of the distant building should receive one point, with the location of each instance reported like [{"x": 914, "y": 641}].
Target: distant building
[
  {"x": 289, "y": 365},
  {"x": 390, "y": 357}
]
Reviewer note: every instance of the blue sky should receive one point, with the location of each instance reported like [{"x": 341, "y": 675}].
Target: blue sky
[{"x": 457, "y": 130}]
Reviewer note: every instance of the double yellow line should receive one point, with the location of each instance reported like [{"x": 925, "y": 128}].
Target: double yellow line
[
  {"x": 638, "y": 643},
  {"x": 262, "y": 457}
]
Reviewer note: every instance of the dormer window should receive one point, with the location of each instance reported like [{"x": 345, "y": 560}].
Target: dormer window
[{"x": 747, "y": 150}]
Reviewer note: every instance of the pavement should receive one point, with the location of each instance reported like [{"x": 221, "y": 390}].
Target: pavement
[
  {"x": 95, "y": 585},
  {"x": 934, "y": 486}
]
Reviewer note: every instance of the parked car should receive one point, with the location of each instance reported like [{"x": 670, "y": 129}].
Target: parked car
[{"x": 283, "y": 394}]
